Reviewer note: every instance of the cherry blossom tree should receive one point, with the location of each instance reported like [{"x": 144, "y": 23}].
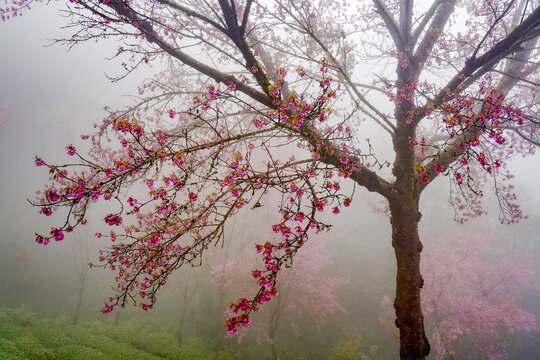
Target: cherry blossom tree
[{"x": 451, "y": 87}]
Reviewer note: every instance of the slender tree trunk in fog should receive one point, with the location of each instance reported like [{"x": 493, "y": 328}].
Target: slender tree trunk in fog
[
  {"x": 116, "y": 318},
  {"x": 82, "y": 279},
  {"x": 274, "y": 351},
  {"x": 180, "y": 323},
  {"x": 219, "y": 335},
  {"x": 83, "y": 260},
  {"x": 182, "y": 314},
  {"x": 275, "y": 316}
]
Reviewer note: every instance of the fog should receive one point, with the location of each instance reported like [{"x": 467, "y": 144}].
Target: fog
[{"x": 54, "y": 95}]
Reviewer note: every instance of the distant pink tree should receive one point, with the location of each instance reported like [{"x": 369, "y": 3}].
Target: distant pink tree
[
  {"x": 305, "y": 292},
  {"x": 472, "y": 294},
  {"x": 4, "y": 121}
]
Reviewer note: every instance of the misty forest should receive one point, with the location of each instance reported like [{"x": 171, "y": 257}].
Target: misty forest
[{"x": 270, "y": 179}]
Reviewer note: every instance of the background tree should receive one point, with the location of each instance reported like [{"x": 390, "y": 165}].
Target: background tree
[
  {"x": 310, "y": 74},
  {"x": 187, "y": 295},
  {"x": 4, "y": 108},
  {"x": 81, "y": 264},
  {"x": 473, "y": 295},
  {"x": 306, "y": 294}
]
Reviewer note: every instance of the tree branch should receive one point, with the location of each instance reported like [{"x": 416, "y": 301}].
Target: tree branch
[
  {"x": 192, "y": 13},
  {"x": 390, "y": 22},
  {"x": 433, "y": 33},
  {"x": 475, "y": 68},
  {"x": 427, "y": 17}
]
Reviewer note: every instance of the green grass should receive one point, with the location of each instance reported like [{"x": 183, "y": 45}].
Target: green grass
[{"x": 25, "y": 337}]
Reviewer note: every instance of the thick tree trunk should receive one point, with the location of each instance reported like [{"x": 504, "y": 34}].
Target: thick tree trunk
[{"x": 407, "y": 246}]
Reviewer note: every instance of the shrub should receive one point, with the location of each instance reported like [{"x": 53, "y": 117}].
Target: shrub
[
  {"x": 32, "y": 348},
  {"x": 227, "y": 354},
  {"x": 106, "y": 345},
  {"x": 346, "y": 350},
  {"x": 10, "y": 331},
  {"x": 8, "y": 351},
  {"x": 51, "y": 334},
  {"x": 20, "y": 316},
  {"x": 79, "y": 352}
]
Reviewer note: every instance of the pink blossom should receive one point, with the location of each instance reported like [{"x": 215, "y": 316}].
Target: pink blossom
[
  {"x": 57, "y": 234},
  {"x": 113, "y": 219},
  {"x": 71, "y": 150}
]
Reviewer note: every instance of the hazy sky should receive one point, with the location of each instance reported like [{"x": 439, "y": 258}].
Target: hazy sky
[{"x": 55, "y": 95}]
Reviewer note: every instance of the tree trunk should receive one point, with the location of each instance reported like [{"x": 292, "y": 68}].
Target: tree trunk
[
  {"x": 407, "y": 246},
  {"x": 82, "y": 247},
  {"x": 80, "y": 299},
  {"x": 181, "y": 323},
  {"x": 182, "y": 317},
  {"x": 220, "y": 334},
  {"x": 275, "y": 355},
  {"x": 275, "y": 315},
  {"x": 116, "y": 317}
]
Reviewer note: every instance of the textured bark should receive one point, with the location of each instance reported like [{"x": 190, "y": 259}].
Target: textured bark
[
  {"x": 407, "y": 246},
  {"x": 405, "y": 217}
]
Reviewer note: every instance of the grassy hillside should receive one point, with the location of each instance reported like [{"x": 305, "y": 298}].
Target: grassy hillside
[{"x": 23, "y": 336}]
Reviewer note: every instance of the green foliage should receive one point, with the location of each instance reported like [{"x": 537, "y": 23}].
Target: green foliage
[
  {"x": 346, "y": 350},
  {"x": 10, "y": 331},
  {"x": 33, "y": 349},
  {"x": 108, "y": 346},
  {"x": 24, "y": 337},
  {"x": 351, "y": 349},
  {"x": 20, "y": 317},
  {"x": 9, "y": 351},
  {"x": 52, "y": 333},
  {"x": 72, "y": 352},
  {"x": 372, "y": 354},
  {"x": 153, "y": 340},
  {"x": 226, "y": 354}
]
